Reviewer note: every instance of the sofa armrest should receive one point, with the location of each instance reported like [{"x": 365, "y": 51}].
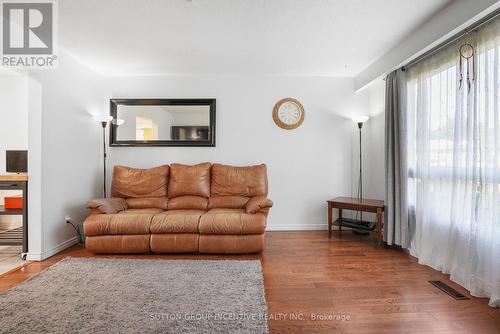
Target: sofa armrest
[
  {"x": 108, "y": 205},
  {"x": 257, "y": 203}
]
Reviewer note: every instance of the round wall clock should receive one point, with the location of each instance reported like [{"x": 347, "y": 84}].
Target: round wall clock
[{"x": 288, "y": 113}]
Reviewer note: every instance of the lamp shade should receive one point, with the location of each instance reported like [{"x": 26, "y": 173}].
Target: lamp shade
[
  {"x": 360, "y": 119},
  {"x": 104, "y": 118},
  {"x": 118, "y": 121}
]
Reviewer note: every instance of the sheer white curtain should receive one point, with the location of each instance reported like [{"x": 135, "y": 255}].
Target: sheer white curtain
[{"x": 454, "y": 164}]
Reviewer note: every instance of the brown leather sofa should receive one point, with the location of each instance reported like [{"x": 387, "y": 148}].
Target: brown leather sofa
[{"x": 201, "y": 208}]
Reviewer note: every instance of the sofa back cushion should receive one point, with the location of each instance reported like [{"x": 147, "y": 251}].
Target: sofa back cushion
[
  {"x": 140, "y": 183},
  {"x": 239, "y": 181},
  {"x": 188, "y": 180}
]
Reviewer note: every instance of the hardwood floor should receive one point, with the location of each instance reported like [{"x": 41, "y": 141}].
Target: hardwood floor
[{"x": 305, "y": 273}]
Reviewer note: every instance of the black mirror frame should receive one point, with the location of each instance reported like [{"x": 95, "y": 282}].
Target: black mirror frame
[{"x": 114, "y": 103}]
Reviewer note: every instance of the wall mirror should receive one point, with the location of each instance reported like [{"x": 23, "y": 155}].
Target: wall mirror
[{"x": 162, "y": 122}]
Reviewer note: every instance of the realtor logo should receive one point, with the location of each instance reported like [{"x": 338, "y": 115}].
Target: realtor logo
[{"x": 28, "y": 34}]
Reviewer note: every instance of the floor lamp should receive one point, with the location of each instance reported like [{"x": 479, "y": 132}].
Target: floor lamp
[
  {"x": 360, "y": 120},
  {"x": 104, "y": 123}
]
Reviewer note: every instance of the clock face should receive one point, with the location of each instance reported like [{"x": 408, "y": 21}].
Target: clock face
[{"x": 288, "y": 113}]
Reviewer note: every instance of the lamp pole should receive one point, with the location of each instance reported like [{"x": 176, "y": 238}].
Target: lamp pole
[
  {"x": 359, "y": 120},
  {"x": 360, "y": 194},
  {"x": 360, "y": 197},
  {"x": 104, "y": 125}
]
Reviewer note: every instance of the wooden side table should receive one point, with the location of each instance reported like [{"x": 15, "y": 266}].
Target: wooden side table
[{"x": 351, "y": 203}]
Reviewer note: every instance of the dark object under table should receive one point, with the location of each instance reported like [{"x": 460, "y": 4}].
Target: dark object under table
[{"x": 355, "y": 204}]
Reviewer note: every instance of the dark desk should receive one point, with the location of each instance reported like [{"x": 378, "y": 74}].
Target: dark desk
[
  {"x": 16, "y": 182},
  {"x": 350, "y": 203}
]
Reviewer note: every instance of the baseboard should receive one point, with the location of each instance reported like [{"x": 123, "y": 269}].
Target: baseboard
[
  {"x": 53, "y": 251},
  {"x": 301, "y": 227}
]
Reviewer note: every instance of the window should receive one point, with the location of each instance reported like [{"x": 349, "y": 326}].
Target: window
[{"x": 454, "y": 162}]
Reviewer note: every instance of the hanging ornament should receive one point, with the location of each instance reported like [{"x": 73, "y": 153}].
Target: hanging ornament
[{"x": 466, "y": 52}]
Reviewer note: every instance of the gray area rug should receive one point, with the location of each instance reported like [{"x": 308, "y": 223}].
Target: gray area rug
[{"x": 90, "y": 295}]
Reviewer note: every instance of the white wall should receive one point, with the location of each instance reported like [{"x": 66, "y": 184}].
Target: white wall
[
  {"x": 374, "y": 152},
  {"x": 34, "y": 168},
  {"x": 374, "y": 161},
  {"x": 306, "y": 166},
  {"x": 66, "y": 144},
  {"x": 373, "y": 140}
]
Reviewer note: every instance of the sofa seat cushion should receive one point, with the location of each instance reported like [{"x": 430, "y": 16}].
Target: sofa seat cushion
[
  {"x": 176, "y": 221},
  {"x": 232, "y": 221},
  {"x": 147, "y": 203},
  {"x": 118, "y": 244},
  {"x": 228, "y": 202},
  {"x": 174, "y": 243},
  {"x": 118, "y": 224},
  {"x": 138, "y": 211}
]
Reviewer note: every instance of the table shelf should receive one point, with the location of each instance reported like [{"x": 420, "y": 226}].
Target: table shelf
[
  {"x": 10, "y": 212},
  {"x": 12, "y": 237},
  {"x": 356, "y": 223}
]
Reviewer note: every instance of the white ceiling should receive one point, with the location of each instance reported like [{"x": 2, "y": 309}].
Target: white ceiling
[{"x": 276, "y": 37}]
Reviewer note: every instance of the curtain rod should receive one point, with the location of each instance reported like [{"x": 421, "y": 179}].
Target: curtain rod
[{"x": 472, "y": 27}]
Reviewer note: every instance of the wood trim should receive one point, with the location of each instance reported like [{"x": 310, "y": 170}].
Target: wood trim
[
  {"x": 354, "y": 207},
  {"x": 352, "y": 203},
  {"x": 14, "y": 177}
]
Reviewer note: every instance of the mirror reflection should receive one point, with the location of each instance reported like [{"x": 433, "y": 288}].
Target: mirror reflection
[{"x": 163, "y": 122}]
